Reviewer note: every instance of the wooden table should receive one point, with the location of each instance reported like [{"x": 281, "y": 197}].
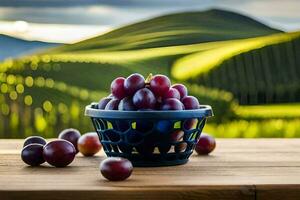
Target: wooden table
[{"x": 237, "y": 169}]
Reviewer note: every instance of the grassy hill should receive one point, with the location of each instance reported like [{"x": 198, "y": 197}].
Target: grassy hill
[
  {"x": 17, "y": 47},
  {"x": 46, "y": 92},
  {"x": 176, "y": 29},
  {"x": 256, "y": 70}
]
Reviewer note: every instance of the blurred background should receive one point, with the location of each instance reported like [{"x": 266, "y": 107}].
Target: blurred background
[{"x": 241, "y": 57}]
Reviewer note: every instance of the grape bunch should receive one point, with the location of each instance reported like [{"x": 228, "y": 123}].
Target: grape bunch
[{"x": 134, "y": 93}]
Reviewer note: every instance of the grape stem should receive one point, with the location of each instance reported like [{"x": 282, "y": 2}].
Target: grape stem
[{"x": 148, "y": 79}]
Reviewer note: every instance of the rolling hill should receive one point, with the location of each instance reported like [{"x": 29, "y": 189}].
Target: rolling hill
[
  {"x": 15, "y": 47},
  {"x": 256, "y": 70},
  {"x": 46, "y": 92},
  {"x": 176, "y": 29}
]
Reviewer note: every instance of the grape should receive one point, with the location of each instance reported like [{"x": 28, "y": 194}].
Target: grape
[
  {"x": 190, "y": 102},
  {"x": 176, "y": 136},
  {"x": 205, "y": 145},
  {"x": 144, "y": 99},
  {"x": 181, "y": 89},
  {"x": 116, "y": 168},
  {"x": 126, "y": 104},
  {"x": 89, "y": 144},
  {"x": 117, "y": 88},
  {"x": 181, "y": 147},
  {"x": 133, "y": 83},
  {"x": 32, "y": 154},
  {"x": 34, "y": 140},
  {"x": 112, "y": 105},
  {"x": 160, "y": 85},
  {"x": 190, "y": 124},
  {"x": 172, "y": 104},
  {"x": 172, "y": 93},
  {"x": 59, "y": 153},
  {"x": 103, "y": 102},
  {"x": 71, "y": 135}
]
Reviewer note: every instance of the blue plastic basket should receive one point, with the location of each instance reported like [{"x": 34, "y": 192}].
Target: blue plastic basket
[{"x": 149, "y": 138}]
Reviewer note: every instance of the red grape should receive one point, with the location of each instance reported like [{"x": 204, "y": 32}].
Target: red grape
[
  {"x": 133, "y": 83},
  {"x": 144, "y": 99},
  {"x": 71, "y": 135},
  {"x": 59, "y": 153},
  {"x": 181, "y": 147},
  {"x": 205, "y": 145},
  {"x": 89, "y": 144},
  {"x": 32, "y": 154},
  {"x": 116, "y": 169},
  {"x": 103, "y": 102},
  {"x": 176, "y": 136},
  {"x": 112, "y": 105},
  {"x": 172, "y": 93},
  {"x": 34, "y": 140},
  {"x": 190, "y": 102},
  {"x": 172, "y": 104},
  {"x": 190, "y": 124},
  {"x": 181, "y": 89},
  {"x": 117, "y": 88},
  {"x": 126, "y": 104},
  {"x": 159, "y": 85}
]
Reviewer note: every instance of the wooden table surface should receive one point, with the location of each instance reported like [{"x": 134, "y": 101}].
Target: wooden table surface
[{"x": 237, "y": 169}]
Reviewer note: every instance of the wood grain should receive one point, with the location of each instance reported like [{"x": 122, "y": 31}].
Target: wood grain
[{"x": 237, "y": 169}]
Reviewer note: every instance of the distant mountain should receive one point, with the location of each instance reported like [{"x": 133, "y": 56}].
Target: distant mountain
[
  {"x": 14, "y": 47},
  {"x": 176, "y": 29}
]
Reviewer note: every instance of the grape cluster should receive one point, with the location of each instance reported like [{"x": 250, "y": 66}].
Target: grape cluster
[{"x": 155, "y": 93}]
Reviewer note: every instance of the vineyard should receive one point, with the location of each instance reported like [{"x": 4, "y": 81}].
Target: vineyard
[
  {"x": 257, "y": 71},
  {"x": 47, "y": 92}
]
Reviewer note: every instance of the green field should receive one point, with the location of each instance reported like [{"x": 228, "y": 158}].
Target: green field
[
  {"x": 256, "y": 70},
  {"x": 46, "y": 92}
]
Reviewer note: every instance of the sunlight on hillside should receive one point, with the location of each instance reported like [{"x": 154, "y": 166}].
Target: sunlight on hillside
[{"x": 193, "y": 65}]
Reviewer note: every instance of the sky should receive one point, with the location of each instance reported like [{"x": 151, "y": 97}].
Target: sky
[{"x": 68, "y": 21}]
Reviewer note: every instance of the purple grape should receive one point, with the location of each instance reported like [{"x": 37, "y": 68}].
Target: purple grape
[
  {"x": 126, "y": 104},
  {"x": 112, "y": 105},
  {"x": 59, "y": 153},
  {"x": 190, "y": 124},
  {"x": 71, "y": 135},
  {"x": 176, "y": 136},
  {"x": 181, "y": 89},
  {"x": 190, "y": 102},
  {"x": 159, "y": 85},
  {"x": 103, "y": 102},
  {"x": 172, "y": 104},
  {"x": 116, "y": 169},
  {"x": 133, "y": 83},
  {"x": 32, "y": 154},
  {"x": 206, "y": 144},
  {"x": 34, "y": 140},
  {"x": 144, "y": 99},
  {"x": 117, "y": 88},
  {"x": 172, "y": 93}
]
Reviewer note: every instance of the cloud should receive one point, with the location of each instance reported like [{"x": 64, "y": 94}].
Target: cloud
[
  {"x": 121, "y": 12},
  {"x": 114, "y": 3}
]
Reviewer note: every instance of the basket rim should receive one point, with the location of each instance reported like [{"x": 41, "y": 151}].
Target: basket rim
[{"x": 203, "y": 111}]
